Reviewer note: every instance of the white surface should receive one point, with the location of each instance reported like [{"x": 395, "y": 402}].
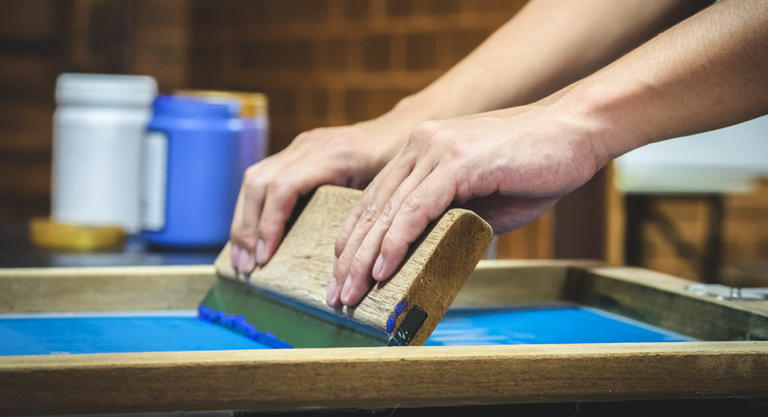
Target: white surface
[
  {"x": 723, "y": 160},
  {"x": 97, "y": 150},
  {"x": 155, "y": 179},
  {"x": 105, "y": 89}
]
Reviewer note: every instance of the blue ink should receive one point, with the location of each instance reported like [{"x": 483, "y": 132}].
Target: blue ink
[
  {"x": 393, "y": 315},
  {"x": 550, "y": 325},
  {"x": 239, "y": 325},
  {"x": 44, "y": 334},
  {"x": 207, "y": 329}
]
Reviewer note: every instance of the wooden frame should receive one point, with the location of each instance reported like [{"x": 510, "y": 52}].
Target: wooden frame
[{"x": 409, "y": 376}]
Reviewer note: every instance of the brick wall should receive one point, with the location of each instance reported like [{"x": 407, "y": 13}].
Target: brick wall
[
  {"x": 39, "y": 39},
  {"x": 32, "y": 46},
  {"x": 160, "y": 41},
  {"x": 332, "y": 62}
]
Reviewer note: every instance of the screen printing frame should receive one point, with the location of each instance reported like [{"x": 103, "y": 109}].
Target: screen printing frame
[{"x": 734, "y": 360}]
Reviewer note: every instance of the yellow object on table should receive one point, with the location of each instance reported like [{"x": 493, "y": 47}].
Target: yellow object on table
[
  {"x": 46, "y": 233},
  {"x": 252, "y": 105}
]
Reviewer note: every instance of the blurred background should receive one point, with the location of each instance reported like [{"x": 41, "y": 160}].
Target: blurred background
[{"x": 333, "y": 62}]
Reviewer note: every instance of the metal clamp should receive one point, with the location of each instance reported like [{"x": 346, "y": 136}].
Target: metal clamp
[{"x": 724, "y": 292}]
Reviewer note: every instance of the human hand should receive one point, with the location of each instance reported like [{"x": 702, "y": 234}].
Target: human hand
[
  {"x": 509, "y": 166},
  {"x": 348, "y": 156}
]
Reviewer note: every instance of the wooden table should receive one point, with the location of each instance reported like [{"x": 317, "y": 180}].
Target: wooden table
[{"x": 732, "y": 362}]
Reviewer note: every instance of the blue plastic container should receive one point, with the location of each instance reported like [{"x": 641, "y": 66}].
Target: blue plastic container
[{"x": 192, "y": 174}]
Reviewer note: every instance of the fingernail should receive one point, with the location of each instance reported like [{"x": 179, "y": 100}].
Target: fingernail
[
  {"x": 378, "y": 267},
  {"x": 331, "y": 293},
  {"x": 234, "y": 255},
  {"x": 261, "y": 252},
  {"x": 345, "y": 290},
  {"x": 246, "y": 262}
]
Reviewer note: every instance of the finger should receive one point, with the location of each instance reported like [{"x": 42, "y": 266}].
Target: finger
[
  {"x": 373, "y": 200},
  {"x": 365, "y": 202},
  {"x": 234, "y": 255},
  {"x": 402, "y": 163},
  {"x": 281, "y": 197},
  {"x": 367, "y": 262},
  {"x": 352, "y": 218},
  {"x": 235, "y": 249},
  {"x": 357, "y": 224},
  {"x": 333, "y": 292},
  {"x": 244, "y": 229},
  {"x": 426, "y": 203},
  {"x": 367, "y": 259}
]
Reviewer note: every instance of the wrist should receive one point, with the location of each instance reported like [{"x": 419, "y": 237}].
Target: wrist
[
  {"x": 581, "y": 131},
  {"x": 607, "y": 115},
  {"x": 397, "y": 123},
  {"x": 416, "y": 108}
]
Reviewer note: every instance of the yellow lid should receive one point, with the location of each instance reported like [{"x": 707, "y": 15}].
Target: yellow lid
[
  {"x": 48, "y": 234},
  {"x": 252, "y": 105}
]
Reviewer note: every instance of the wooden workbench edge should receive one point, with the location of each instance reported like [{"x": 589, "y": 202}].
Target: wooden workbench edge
[
  {"x": 63, "y": 289},
  {"x": 30, "y": 290},
  {"x": 106, "y": 271},
  {"x": 363, "y": 377}
]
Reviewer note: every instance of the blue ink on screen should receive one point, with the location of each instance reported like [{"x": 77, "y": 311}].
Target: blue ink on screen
[
  {"x": 546, "y": 325},
  {"x": 182, "y": 330}
]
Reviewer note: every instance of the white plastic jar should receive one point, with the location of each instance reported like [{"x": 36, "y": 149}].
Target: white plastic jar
[{"x": 98, "y": 132}]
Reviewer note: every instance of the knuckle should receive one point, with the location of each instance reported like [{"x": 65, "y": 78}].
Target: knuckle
[
  {"x": 358, "y": 261},
  {"x": 424, "y": 130},
  {"x": 388, "y": 213},
  {"x": 464, "y": 190},
  {"x": 243, "y": 237},
  {"x": 303, "y": 137},
  {"x": 359, "y": 269},
  {"x": 357, "y": 272},
  {"x": 257, "y": 169},
  {"x": 442, "y": 136},
  {"x": 268, "y": 227},
  {"x": 342, "y": 265},
  {"x": 281, "y": 184},
  {"x": 457, "y": 149},
  {"x": 253, "y": 181},
  {"x": 412, "y": 204},
  {"x": 234, "y": 234},
  {"x": 341, "y": 152},
  {"x": 250, "y": 172},
  {"x": 370, "y": 213},
  {"x": 338, "y": 146}
]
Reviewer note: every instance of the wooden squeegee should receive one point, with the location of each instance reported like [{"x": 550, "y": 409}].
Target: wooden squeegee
[{"x": 286, "y": 297}]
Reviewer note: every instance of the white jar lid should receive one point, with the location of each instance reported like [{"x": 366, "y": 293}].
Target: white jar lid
[{"x": 101, "y": 89}]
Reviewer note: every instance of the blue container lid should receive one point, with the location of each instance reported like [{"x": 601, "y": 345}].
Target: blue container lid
[{"x": 194, "y": 108}]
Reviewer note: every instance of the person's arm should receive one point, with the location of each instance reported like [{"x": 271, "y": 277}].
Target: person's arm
[
  {"x": 511, "y": 165},
  {"x": 707, "y": 72},
  {"x": 547, "y": 45}
]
